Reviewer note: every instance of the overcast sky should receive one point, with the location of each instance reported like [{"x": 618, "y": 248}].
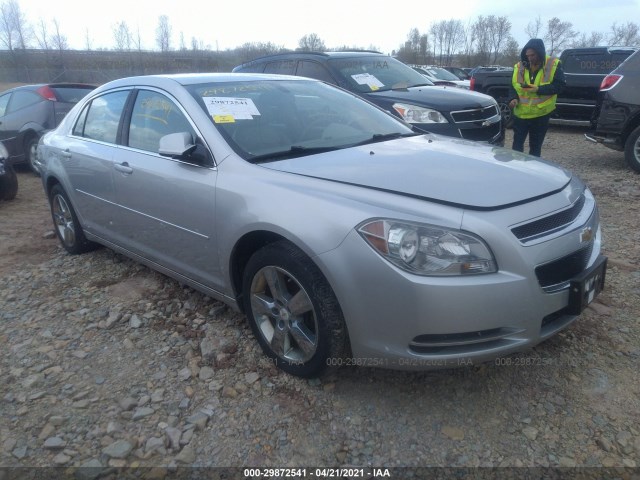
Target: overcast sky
[{"x": 385, "y": 25}]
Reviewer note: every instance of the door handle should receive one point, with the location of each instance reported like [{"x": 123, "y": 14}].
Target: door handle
[{"x": 123, "y": 168}]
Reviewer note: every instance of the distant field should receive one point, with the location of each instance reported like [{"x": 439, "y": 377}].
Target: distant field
[{"x": 6, "y": 86}]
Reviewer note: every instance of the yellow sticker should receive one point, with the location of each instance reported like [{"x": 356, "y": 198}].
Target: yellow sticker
[
  {"x": 223, "y": 119},
  {"x": 374, "y": 87}
]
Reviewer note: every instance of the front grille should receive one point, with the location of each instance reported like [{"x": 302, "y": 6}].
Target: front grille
[
  {"x": 475, "y": 115},
  {"x": 561, "y": 271},
  {"x": 547, "y": 225},
  {"x": 481, "y": 133}
]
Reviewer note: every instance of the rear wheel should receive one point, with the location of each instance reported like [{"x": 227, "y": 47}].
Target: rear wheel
[
  {"x": 66, "y": 223},
  {"x": 632, "y": 150},
  {"x": 8, "y": 184},
  {"x": 293, "y": 311}
]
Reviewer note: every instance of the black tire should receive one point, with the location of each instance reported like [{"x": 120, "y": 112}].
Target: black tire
[
  {"x": 506, "y": 112},
  {"x": 301, "y": 327},
  {"x": 31, "y": 154},
  {"x": 8, "y": 184},
  {"x": 66, "y": 224},
  {"x": 632, "y": 150}
]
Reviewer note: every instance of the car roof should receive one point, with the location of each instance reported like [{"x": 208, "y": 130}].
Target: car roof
[
  {"x": 325, "y": 55},
  {"x": 197, "y": 78}
]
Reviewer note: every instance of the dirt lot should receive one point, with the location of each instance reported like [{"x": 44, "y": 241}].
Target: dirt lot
[{"x": 106, "y": 364}]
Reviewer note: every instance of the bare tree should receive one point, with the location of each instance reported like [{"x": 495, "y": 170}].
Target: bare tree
[
  {"x": 249, "y": 51},
  {"x": 42, "y": 35},
  {"x": 480, "y": 31},
  {"x": 163, "y": 34},
  {"x": 511, "y": 52},
  {"x": 468, "y": 42},
  {"x": 122, "y": 36},
  {"x": 87, "y": 40},
  {"x": 58, "y": 40},
  {"x": 534, "y": 27},
  {"x": 592, "y": 40},
  {"x": 558, "y": 35},
  {"x": 311, "y": 43},
  {"x": 625, "y": 35},
  {"x": 137, "y": 40},
  {"x": 499, "y": 34},
  {"x": 453, "y": 39},
  {"x": 14, "y": 28},
  {"x": 423, "y": 50}
]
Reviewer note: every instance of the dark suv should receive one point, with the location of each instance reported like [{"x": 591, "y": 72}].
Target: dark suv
[
  {"x": 28, "y": 111},
  {"x": 616, "y": 123},
  {"x": 395, "y": 87}
]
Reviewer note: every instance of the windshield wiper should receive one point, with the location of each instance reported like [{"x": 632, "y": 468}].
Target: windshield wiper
[
  {"x": 294, "y": 151},
  {"x": 383, "y": 137}
]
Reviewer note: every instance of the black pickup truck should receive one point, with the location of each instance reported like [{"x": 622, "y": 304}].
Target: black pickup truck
[{"x": 584, "y": 69}]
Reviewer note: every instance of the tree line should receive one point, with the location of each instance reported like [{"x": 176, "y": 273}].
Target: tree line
[
  {"x": 484, "y": 40},
  {"x": 488, "y": 40}
]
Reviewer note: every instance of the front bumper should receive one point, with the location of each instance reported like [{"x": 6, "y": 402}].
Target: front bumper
[{"x": 403, "y": 321}]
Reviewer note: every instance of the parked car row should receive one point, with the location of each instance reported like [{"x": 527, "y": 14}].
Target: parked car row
[{"x": 441, "y": 76}]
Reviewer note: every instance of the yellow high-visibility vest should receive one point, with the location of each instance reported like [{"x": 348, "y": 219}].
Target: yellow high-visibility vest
[{"x": 530, "y": 104}]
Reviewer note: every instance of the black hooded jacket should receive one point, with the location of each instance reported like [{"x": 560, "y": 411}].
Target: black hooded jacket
[{"x": 558, "y": 82}]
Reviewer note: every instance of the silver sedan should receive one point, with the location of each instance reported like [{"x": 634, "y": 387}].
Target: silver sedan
[{"x": 346, "y": 237}]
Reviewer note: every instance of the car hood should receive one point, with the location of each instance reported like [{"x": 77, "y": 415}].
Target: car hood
[
  {"x": 438, "y": 97},
  {"x": 437, "y": 168}
]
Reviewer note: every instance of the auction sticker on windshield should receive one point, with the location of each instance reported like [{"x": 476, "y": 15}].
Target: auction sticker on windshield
[{"x": 221, "y": 108}]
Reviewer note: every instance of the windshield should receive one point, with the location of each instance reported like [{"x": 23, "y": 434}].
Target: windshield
[
  {"x": 268, "y": 119},
  {"x": 440, "y": 73},
  {"x": 366, "y": 74}
]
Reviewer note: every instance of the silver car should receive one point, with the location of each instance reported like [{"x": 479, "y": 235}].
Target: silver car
[{"x": 345, "y": 237}]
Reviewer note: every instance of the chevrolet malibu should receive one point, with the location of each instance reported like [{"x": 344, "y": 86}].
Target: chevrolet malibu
[{"x": 345, "y": 236}]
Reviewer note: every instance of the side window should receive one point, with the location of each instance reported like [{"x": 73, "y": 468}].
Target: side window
[
  {"x": 103, "y": 117},
  {"x": 4, "y": 99},
  {"x": 281, "y": 67},
  {"x": 78, "y": 128},
  {"x": 22, "y": 99},
  {"x": 154, "y": 116},
  {"x": 310, "y": 69}
]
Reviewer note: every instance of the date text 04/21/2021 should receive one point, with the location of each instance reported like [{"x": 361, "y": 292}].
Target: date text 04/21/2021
[{"x": 316, "y": 473}]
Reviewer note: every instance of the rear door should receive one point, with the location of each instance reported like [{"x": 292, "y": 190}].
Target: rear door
[{"x": 88, "y": 161}]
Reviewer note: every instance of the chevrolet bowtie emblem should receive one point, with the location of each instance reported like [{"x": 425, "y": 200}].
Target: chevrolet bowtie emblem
[{"x": 586, "y": 235}]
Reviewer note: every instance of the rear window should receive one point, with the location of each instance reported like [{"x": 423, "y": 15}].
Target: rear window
[
  {"x": 594, "y": 63},
  {"x": 71, "y": 94}
]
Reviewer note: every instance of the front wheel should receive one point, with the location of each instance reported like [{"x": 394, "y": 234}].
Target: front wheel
[
  {"x": 632, "y": 150},
  {"x": 31, "y": 152},
  {"x": 506, "y": 113},
  {"x": 66, "y": 223},
  {"x": 293, "y": 311}
]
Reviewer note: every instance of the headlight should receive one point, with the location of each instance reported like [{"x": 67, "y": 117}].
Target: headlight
[
  {"x": 427, "y": 249},
  {"x": 415, "y": 114}
]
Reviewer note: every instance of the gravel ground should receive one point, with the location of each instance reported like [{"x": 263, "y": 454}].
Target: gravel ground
[{"x": 106, "y": 364}]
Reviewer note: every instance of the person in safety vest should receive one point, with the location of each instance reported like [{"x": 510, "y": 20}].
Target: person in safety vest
[{"x": 537, "y": 80}]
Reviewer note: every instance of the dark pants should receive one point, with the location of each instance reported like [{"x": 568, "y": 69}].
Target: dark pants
[{"x": 536, "y": 128}]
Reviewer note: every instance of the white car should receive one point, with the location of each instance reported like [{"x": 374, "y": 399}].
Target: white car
[{"x": 440, "y": 76}]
